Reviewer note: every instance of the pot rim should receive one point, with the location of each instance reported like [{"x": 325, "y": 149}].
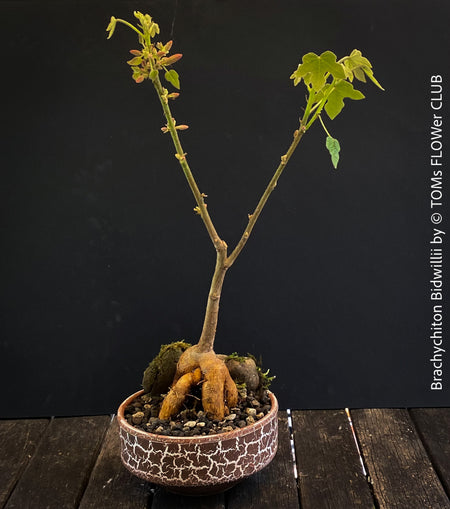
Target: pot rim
[{"x": 123, "y": 423}]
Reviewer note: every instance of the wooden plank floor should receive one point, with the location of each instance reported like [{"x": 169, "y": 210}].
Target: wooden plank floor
[{"x": 391, "y": 458}]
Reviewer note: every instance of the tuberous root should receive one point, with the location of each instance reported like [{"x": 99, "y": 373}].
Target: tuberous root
[
  {"x": 174, "y": 400},
  {"x": 219, "y": 392}
]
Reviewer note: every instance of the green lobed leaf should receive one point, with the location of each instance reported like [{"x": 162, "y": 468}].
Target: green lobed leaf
[
  {"x": 335, "y": 102},
  {"x": 358, "y": 66},
  {"x": 359, "y": 74},
  {"x": 355, "y": 60},
  {"x": 315, "y": 69},
  {"x": 372, "y": 78},
  {"x": 334, "y": 148},
  {"x": 173, "y": 78}
]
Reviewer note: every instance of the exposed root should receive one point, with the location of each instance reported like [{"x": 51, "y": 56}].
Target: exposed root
[
  {"x": 219, "y": 392},
  {"x": 174, "y": 400}
]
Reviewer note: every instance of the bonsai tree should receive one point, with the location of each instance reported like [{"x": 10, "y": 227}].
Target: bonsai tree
[{"x": 328, "y": 82}]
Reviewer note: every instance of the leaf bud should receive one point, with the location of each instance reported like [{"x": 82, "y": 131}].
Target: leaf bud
[
  {"x": 154, "y": 29},
  {"x": 111, "y": 27},
  {"x": 138, "y": 75},
  {"x": 172, "y": 59}
]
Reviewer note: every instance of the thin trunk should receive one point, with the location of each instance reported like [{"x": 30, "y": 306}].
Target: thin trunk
[{"x": 206, "y": 341}]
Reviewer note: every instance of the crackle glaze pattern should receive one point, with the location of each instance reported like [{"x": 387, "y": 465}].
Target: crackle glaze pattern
[{"x": 219, "y": 460}]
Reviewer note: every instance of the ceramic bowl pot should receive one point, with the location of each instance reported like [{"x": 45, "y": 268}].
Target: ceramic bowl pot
[{"x": 198, "y": 465}]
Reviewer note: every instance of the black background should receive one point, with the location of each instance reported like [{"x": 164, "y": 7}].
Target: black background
[{"x": 103, "y": 259}]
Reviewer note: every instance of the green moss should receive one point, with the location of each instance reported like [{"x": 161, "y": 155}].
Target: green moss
[
  {"x": 265, "y": 379},
  {"x": 160, "y": 372},
  {"x": 236, "y": 357}
]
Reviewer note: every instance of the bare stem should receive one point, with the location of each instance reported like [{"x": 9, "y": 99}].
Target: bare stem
[
  {"x": 270, "y": 187},
  {"x": 181, "y": 156},
  {"x": 206, "y": 341}
]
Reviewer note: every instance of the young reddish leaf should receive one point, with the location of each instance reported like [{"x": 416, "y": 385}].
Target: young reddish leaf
[
  {"x": 171, "y": 60},
  {"x": 136, "y": 52},
  {"x": 138, "y": 75}
]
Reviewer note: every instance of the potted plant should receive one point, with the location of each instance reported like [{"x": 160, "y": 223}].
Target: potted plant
[{"x": 196, "y": 458}]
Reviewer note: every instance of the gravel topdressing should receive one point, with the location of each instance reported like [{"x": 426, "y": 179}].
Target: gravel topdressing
[{"x": 143, "y": 414}]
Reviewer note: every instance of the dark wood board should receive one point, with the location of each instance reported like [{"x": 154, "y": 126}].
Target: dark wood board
[
  {"x": 57, "y": 475},
  {"x": 111, "y": 484},
  {"x": 330, "y": 471},
  {"x": 275, "y": 486},
  {"x": 18, "y": 442},
  {"x": 433, "y": 425},
  {"x": 74, "y": 462},
  {"x": 399, "y": 468}
]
